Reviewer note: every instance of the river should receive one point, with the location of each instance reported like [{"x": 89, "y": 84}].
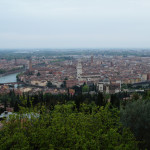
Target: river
[{"x": 8, "y": 78}]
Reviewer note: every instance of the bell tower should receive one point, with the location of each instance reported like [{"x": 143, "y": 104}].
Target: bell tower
[
  {"x": 79, "y": 69},
  {"x": 30, "y": 65}
]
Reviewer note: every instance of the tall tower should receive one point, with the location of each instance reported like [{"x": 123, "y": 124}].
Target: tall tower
[
  {"x": 111, "y": 64},
  {"x": 15, "y": 61},
  {"x": 30, "y": 65},
  {"x": 92, "y": 59},
  {"x": 79, "y": 69}
]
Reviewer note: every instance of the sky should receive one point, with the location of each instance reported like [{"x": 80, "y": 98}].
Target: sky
[{"x": 74, "y": 23}]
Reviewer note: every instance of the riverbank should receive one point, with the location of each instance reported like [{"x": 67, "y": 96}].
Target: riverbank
[{"x": 12, "y": 72}]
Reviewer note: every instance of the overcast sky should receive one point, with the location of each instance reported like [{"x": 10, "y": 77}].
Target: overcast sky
[{"x": 74, "y": 23}]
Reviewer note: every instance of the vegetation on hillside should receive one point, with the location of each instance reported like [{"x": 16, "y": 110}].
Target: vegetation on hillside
[
  {"x": 80, "y": 121},
  {"x": 65, "y": 127}
]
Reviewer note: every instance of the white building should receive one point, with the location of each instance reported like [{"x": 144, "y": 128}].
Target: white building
[{"x": 79, "y": 70}]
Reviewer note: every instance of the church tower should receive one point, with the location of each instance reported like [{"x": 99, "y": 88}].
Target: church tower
[
  {"x": 30, "y": 65},
  {"x": 15, "y": 61},
  {"x": 79, "y": 69},
  {"x": 92, "y": 59}
]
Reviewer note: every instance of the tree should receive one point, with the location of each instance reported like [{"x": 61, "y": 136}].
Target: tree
[
  {"x": 100, "y": 100},
  {"x": 85, "y": 88},
  {"x": 64, "y": 83},
  {"x": 65, "y": 128},
  {"x": 115, "y": 101},
  {"x": 4, "y": 99},
  {"x": 136, "y": 116},
  {"x": 135, "y": 96},
  {"x": 2, "y": 71},
  {"x": 49, "y": 84},
  {"x": 16, "y": 107},
  {"x": 38, "y": 74}
]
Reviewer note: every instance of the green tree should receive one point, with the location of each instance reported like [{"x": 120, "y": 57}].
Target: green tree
[
  {"x": 136, "y": 116},
  {"x": 64, "y": 128},
  {"x": 38, "y": 74},
  {"x": 135, "y": 96},
  {"x": 100, "y": 100},
  {"x": 115, "y": 101},
  {"x": 49, "y": 84},
  {"x": 85, "y": 88},
  {"x": 2, "y": 71}
]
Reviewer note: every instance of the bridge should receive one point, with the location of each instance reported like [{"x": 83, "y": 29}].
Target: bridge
[{"x": 11, "y": 83}]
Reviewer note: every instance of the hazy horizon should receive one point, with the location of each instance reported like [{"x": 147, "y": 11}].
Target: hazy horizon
[{"x": 69, "y": 24}]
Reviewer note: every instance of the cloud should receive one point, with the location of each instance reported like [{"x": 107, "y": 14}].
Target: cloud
[{"x": 81, "y": 22}]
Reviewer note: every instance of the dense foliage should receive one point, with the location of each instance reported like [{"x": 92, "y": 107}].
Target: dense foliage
[
  {"x": 2, "y": 71},
  {"x": 132, "y": 108},
  {"x": 136, "y": 116},
  {"x": 64, "y": 127}
]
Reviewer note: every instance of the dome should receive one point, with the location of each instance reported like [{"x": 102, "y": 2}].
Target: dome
[{"x": 106, "y": 80}]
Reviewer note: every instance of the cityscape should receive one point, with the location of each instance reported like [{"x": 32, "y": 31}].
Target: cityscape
[
  {"x": 109, "y": 73},
  {"x": 74, "y": 75},
  {"x": 75, "y": 81}
]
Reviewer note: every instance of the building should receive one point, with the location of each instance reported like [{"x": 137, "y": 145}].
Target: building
[
  {"x": 91, "y": 59},
  {"x": 71, "y": 83},
  {"x": 30, "y": 65},
  {"x": 79, "y": 70},
  {"x": 106, "y": 86}
]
